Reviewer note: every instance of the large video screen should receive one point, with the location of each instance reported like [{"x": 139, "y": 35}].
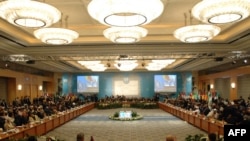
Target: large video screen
[
  {"x": 88, "y": 84},
  {"x": 165, "y": 83}
]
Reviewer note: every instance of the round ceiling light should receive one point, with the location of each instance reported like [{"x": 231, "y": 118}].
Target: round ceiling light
[
  {"x": 28, "y": 13},
  {"x": 125, "y": 34},
  {"x": 125, "y": 12},
  {"x": 55, "y": 36},
  {"x": 221, "y": 11},
  {"x": 196, "y": 33}
]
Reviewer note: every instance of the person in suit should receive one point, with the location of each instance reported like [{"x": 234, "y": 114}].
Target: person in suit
[
  {"x": 80, "y": 137},
  {"x": 2, "y": 119},
  {"x": 91, "y": 138},
  {"x": 32, "y": 138},
  {"x": 21, "y": 117},
  {"x": 170, "y": 138},
  {"x": 211, "y": 137}
]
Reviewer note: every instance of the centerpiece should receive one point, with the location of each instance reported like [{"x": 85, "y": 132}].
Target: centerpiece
[{"x": 125, "y": 116}]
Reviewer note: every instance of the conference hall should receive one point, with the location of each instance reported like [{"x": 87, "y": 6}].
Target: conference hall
[{"x": 123, "y": 70}]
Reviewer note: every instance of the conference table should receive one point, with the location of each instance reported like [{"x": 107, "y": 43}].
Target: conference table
[
  {"x": 41, "y": 127},
  {"x": 200, "y": 121}
]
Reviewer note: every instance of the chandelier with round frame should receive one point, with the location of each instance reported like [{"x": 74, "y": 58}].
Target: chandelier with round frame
[
  {"x": 29, "y": 13},
  {"x": 221, "y": 11},
  {"x": 125, "y": 34},
  {"x": 197, "y": 33},
  {"x": 56, "y": 36},
  {"x": 125, "y": 12}
]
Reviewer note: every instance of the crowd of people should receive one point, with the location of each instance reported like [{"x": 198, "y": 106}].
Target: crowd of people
[
  {"x": 22, "y": 111},
  {"x": 123, "y": 98},
  {"x": 231, "y": 112}
]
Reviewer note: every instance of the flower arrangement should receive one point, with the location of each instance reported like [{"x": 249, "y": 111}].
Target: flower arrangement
[{"x": 134, "y": 116}]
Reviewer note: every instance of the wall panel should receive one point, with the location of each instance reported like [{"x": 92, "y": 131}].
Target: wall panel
[
  {"x": 3, "y": 88},
  {"x": 222, "y": 86},
  {"x": 244, "y": 86}
]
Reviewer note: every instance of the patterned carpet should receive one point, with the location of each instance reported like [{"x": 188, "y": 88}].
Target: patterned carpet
[{"x": 154, "y": 126}]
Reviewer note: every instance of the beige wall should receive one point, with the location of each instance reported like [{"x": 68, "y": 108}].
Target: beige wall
[
  {"x": 233, "y": 77},
  {"x": 29, "y": 82}
]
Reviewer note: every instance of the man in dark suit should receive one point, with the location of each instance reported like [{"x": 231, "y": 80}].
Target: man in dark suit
[
  {"x": 80, "y": 137},
  {"x": 2, "y": 119},
  {"x": 21, "y": 117}
]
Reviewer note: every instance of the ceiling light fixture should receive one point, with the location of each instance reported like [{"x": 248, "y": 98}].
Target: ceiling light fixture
[
  {"x": 18, "y": 58},
  {"x": 125, "y": 34},
  {"x": 157, "y": 65},
  {"x": 126, "y": 65},
  {"x": 196, "y": 33},
  {"x": 125, "y": 12},
  {"x": 97, "y": 67},
  {"x": 221, "y": 11},
  {"x": 28, "y": 13},
  {"x": 164, "y": 61},
  {"x": 56, "y": 36},
  {"x": 93, "y": 65},
  {"x": 87, "y": 63}
]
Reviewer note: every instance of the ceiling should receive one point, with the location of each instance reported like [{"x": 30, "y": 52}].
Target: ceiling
[{"x": 233, "y": 42}]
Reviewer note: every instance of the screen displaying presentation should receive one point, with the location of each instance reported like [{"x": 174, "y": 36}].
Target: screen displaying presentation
[
  {"x": 125, "y": 114},
  {"x": 87, "y": 84},
  {"x": 165, "y": 83}
]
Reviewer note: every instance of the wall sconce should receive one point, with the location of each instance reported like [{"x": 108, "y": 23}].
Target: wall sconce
[
  {"x": 232, "y": 85},
  {"x": 19, "y": 87},
  {"x": 40, "y": 88},
  {"x": 211, "y": 86}
]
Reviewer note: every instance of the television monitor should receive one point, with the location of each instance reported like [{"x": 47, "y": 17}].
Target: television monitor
[
  {"x": 165, "y": 83},
  {"x": 125, "y": 114},
  {"x": 88, "y": 84}
]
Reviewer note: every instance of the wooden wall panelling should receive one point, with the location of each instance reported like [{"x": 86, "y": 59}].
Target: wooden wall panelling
[
  {"x": 233, "y": 76},
  {"x": 11, "y": 89},
  {"x": 222, "y": 86},
  {"x": 243, "y": 86},
  {"x": 26, "y": 90},
  {"x": 3, "y": 88},
  {"x": 34, "y": 91}
]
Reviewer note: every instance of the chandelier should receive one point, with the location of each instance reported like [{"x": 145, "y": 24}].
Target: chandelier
[
  {"x": 28, "y": 13},
  {"x": 126, "y": 65},
  {"x": 221, "y": 11},
  {"x": 18, "y": 58},
  {"x": 164, "y": 62},
  {"x": 157, "y": 65},
  {"x": 97, "y": 67},
  {"x": 196, "y": 33},
  {"x": 93, "y": 65},
  {"x": 125, "y": 34},
  {"x": 125, "y": 12},
  {"x": 56, "y": 36},
  {"x": 154, "y": 67},
  {"x": 89, "y": 63}
]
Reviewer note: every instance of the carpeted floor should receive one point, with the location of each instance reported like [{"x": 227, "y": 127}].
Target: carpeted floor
[{"x": 154, "y": 126}]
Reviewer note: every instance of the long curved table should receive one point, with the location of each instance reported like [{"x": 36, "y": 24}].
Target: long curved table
[
  {"x": 46, "y": 124},
  {"x": 200, "y": 121}
]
